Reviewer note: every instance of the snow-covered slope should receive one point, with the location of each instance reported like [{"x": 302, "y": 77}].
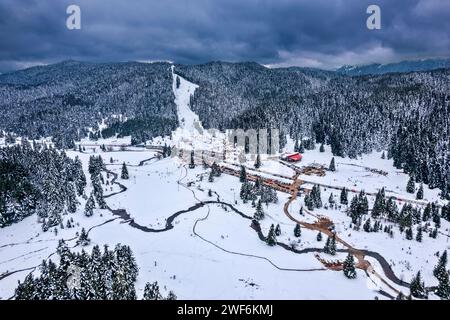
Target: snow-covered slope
[{"x": 189, "y": 121}]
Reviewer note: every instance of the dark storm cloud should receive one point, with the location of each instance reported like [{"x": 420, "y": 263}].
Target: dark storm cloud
[{"x": 320, "y": 33}]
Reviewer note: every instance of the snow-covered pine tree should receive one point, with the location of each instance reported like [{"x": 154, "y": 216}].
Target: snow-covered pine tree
[
  {"x": 344, "y": 196},
  {"x": 192, "y": 161},
  {"x": 83, "y": 238},
  {"x": 419, "y": 234},
  {"x": 417, "y": 287},
  {"x": 259, "y": 213},
  {"x": 297, "y": 231},
  {"x": 411, "y": 185},
  {"x": 151, "y": 291},
  {"x": 332, "y": 166},
  {"x": 419, "y": 195},
  {"x": 331, "y": 199},
  {"x": 443, "y": 289},
  {"x": 243, "y": 175},
  {"x": 309, "y": 203},
  {"x": 124, "y": 175},
  {"x": 211, "y": 176},
  {"x": 89, "y": 207},
  {"x": 171, "y": 295},
  {"x": 258, "y": 161},
  {"x": 349, "y": 267},
  {"x": 409, "y": 234},
  {"x": 379, "y": 206},
  {"x": 367, "y": 226},
  {"x": 319, "y": 236},
  {"x": 278, "y": 230},
  {"x": 271, "y": 239},
  {"x": 441, "y": 265},
  {"x": 332, "y": 247}
]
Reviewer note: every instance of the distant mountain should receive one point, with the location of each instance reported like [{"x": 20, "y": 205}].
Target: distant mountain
[{"x": 399, "y": 67}]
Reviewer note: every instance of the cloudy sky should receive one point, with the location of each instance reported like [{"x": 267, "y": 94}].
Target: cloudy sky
[{"x": 314, "y": 33}]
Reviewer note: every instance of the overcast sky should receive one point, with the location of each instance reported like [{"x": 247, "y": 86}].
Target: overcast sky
[{"x": 313, "y": 33}]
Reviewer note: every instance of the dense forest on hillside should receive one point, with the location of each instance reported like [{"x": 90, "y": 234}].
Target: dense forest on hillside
[
  {"x": 65, "y": 99},
  {"x": 408, "y": 114},
  {"x": 405, "y": 113},
  {"x": 36, "y": 179}
]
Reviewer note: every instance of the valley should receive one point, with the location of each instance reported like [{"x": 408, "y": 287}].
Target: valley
[{"x": 194, "y": 233}]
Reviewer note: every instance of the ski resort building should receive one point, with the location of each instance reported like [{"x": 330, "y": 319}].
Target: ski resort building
[{"x": 292, "y": 157}]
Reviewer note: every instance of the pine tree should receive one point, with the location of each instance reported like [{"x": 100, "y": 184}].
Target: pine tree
[
  {"x": 211, "y": 177},
  {"x": 331, "y": 199},
  {"x": 315, "y": 197},
  {"x": 330, "y": 245},
  {"x": 296, "y": 146},
  {"x": 322, "y": 148},
  {"x": 409, "y": 234},
  {"x": 419, "y": 195},
  {"x": 400, "y": 296},
  {"x": 177, "y": 82},
  {"x": 379, "y": 206},
  {"x": 151, "y": 291},
  {"x": 355, "y": 211},
  {"x": 411, "y": 186},
  {"x": 259, "y": 213},
  {"x": 367, "y": 226},
  {"x": 171, "y": 296},
  {"x": 344, "y": 196},
  {"x": 333, "y": 245},
  {"x": 243, "y": 175},
  {"x": 417, "y": 287},
  {"x": 419, "y": 234},
  {"x": 319, "y": 236},
  {"x": 301, "y": 147},
  {"x": 83, "y": 238},
  {"x": 271, "y": 239},
  {"x": 192, "y": 163},
  {"x": 297, "y": 231},
  {"x": 332, "y": 166},
  {"x": 90, "y": 205},
  {"x": 309, "y": 203},
  {"x": 326, "y": 248},
  {"x": 426, "y": 213},
  {"x": 441, "y": 265},
  {"x": 258, "y": 161},
  {"x": 383, "y": 155},
  {"x": 65, "y": 256},
  {"x": 443, "y": 290},
  {"x": 124, "y": 174},
  {"x": 278, "y": 230},
  {"x": 349, "y": 267}
]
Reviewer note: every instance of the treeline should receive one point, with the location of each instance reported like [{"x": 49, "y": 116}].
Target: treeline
[
  {"x": 101, "y": 275},
  {"x": 408, "y": 114},
  {"x": 64, "y": 100},
  {"x": 35, "y": 179}
]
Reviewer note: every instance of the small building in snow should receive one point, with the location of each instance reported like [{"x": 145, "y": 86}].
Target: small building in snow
[{"x": 292, "y": 157}]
